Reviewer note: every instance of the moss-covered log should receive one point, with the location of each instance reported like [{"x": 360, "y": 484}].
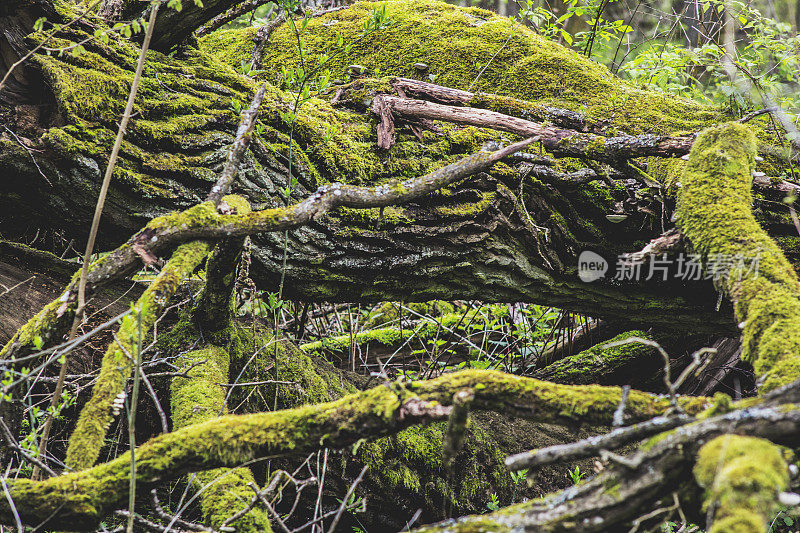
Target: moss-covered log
[
  {"x": 715, "y": 213},
  {"x": 456, "y": 337},
  {"x": 200, "y": 398},
  {"x": 117, "y": 365},
  {"x": 496, "y": 236}
]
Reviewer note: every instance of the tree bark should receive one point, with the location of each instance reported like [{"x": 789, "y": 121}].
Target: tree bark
[{"x": 498, "y": 236}]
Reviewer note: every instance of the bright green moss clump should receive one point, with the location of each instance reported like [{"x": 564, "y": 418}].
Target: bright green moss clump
[
  {"x": 715, "y": 213},
  {"x": 201, "y": 398},
  {"x": 742, "y": 477},
  {"x": 456, "y": 44}
]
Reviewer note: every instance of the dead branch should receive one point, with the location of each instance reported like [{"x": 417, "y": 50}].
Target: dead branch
[{"x": 560, "y": 142}]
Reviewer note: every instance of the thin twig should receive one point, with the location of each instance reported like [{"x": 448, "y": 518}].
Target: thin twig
[
  {"x": 93, "y": 231},
  {"x": 243, "y": 134},
  {"x": 592, "y": 445},
  {"x": 346, "y": 498}
]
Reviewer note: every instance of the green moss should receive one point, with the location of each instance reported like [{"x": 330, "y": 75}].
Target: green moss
[
  {"x": 742, "y": 477},
  {"x": 200, "y": 398},
  {"x": 722, "y": 404},
  {"x": 601, "y": 365},
  {"x": 456, "y": 43},
  {"x": 97, "y": 415},
  {"x": 410, "y": 465},
  {"x": 714, "y": 212},
  {"x": 84, "y": 497},
  {"x": 428, "y": 329},
  {"x": 181, "y": 103}
]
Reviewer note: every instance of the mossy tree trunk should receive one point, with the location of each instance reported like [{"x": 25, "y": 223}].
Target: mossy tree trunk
[{"x": 510, "y": 234}]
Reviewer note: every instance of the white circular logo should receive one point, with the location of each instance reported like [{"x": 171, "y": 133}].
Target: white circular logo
[{"x": 591, "y": 266}]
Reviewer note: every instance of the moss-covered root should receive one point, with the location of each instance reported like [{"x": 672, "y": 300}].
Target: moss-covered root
[
  {"x": 631, "y": 363},
  {"x": 97, "y": 415},
  {"x": 714, "y": 212},
  {"x": 742, "y": 477},
  {"x": 198, "y": 399}
]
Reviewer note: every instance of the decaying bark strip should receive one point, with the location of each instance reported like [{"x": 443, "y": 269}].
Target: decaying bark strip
[{"x": 518, "y": 108}]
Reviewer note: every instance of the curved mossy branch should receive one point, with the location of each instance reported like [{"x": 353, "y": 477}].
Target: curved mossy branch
[
  {"x": 545, "y": 401},
  {"x": 200, "y": 398},
  {"x": 79, "y": 500},
  {"x": 405, "y": 470},
  {"x": 96, "y": 416},
  {"x": 715, "y": 213},
  {"x": 743, "y": 477}
]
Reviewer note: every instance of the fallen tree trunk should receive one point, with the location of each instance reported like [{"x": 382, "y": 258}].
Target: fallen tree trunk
[
  {"x": 530, "y": 231},
  {"x": 484, "y": 227}
]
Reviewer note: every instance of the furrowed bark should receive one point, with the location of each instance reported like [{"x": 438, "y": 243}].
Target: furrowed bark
[
  {"x": 203, "y": 222},
  {"x": 419, "y": 251}
]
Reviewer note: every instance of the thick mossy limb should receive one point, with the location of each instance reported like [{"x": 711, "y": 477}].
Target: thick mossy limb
[
  {"x": 742, "y": 477},
  {"x": 80, "y": 499},
  {"x": 89, "y": 435},
  {"x": 199, "y": 398},
  {"x": 715, "y": 213}
]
